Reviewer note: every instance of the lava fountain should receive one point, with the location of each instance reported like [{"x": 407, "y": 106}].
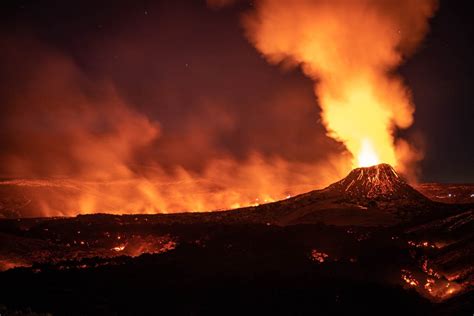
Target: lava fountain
[
  {"x": 367, "y": 155},
  {"x": 350, "y": 49}
]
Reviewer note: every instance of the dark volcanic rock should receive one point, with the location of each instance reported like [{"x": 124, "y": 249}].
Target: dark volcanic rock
[
  {"x": 323, "y": 250},
  {"x": 371, "y": 196},
  {"x": 380, "y": 187},
  {"x": 380, "y": 182},
  {"x": 448, "y": 193}
]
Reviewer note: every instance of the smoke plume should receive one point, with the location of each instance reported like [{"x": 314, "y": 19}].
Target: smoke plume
[{"x": 351, "y": 50}]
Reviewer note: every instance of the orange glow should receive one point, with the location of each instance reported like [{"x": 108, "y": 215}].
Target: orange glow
[
  {"x": 350, "y": 49},
  {"x": 318, "y": 256},
  {"x": 435, "y": 285},
  {"x": 367, "y": 156},
  {"x": 223, "y": 184},
  {"x": 409, "y": 279},
  {"x": 118, "y": 248}
]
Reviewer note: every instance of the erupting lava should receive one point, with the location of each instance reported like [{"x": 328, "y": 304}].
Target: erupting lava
[
  {"x": 350, "y": 49},
  {"x": 367, "y": 156}
]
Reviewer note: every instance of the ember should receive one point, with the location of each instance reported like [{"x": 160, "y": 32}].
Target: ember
[
  {"x": 318, "y": 256},
  {"x": 119, "y": 248},
  {"x": 408, "y": 277},
  {"x": 420, "y": 244}
]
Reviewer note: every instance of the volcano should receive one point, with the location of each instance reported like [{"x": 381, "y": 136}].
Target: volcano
[
  {"x": 376, "y": 183},
  {"x": 368, "y": 196}
]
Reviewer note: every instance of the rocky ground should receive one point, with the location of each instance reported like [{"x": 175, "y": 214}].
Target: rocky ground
[{"x": 368, "y": 243}]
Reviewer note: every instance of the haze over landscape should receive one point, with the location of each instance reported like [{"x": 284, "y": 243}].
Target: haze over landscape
[{"x": 170, "y": 102}]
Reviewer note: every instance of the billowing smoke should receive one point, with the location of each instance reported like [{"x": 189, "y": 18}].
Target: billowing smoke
[
  {"x": 350, "y": 49},
  {"x": 72, "y": 143},
  {"x": 172, "y": 110},
  {"x": 59, "y": 122}
]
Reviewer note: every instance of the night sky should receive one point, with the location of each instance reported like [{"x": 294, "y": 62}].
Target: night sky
[{"x": 186, "y": 72}]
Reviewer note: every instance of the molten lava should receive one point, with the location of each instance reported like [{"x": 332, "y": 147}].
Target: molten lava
[{"x": 367, "y": 156}]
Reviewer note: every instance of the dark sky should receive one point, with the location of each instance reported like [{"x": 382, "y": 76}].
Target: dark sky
[
  {"x": 441, "y": 77},
  {"x": 186, "y": 72}
]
